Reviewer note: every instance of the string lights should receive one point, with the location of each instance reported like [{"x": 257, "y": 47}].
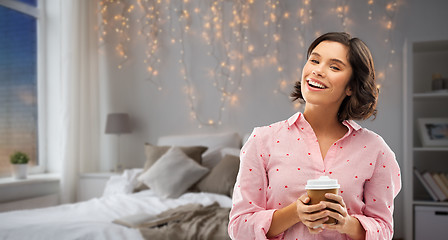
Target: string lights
[
  {"x": 150, "y": 23},
  {"x": 226, "y": 42},
  {"x": 302, "y": 17},
  {"x": 389, "y": 23},
  {"x": 370, "y": 12},
  {"x": 342, "y": 9},
  {"x": 118, "y": 24},
  {"x": 223, "y": 28}
]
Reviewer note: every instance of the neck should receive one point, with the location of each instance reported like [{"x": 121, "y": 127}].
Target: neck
[{"x": 322, "y": 119}]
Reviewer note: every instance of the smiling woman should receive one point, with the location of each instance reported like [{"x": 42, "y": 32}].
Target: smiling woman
[
  {"x": 270, "y": 200},
  {"x": 357, "y": 58}
]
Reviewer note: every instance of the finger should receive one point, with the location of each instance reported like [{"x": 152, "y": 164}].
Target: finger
[
  {"x": 304, "y": 198},
  {"x": 315, "y": 230},
  {"x": 336, "y": 207},
  {"x": 331, "y": 226},
  {"x": 315, "y": 208},
  {"x": 335, "y": 197},
  {"x": 316, "y": 216},
  {"x": 340, "y": 219},
  {"x": 316, "y": 224}
]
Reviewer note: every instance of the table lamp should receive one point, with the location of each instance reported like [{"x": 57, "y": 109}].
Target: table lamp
[{"x": 118, "y": 123}]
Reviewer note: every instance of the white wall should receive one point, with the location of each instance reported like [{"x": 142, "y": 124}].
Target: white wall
[{"x": 166, "y": 112}]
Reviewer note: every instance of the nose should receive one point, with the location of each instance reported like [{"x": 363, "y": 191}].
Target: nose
[{"x": 318, "y": 72}]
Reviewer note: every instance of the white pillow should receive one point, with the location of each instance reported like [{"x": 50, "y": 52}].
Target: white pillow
[
  {"x": 122, "y": 184},
  {"x": 173, "y": 174},
  {"x": 230, "y": 151},
  {"x": 212, "y": 141}
]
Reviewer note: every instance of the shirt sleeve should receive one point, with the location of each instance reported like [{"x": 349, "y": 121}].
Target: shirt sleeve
[
  {"x": 379, "y": 193},
  {"x": 249, "y": 218}
]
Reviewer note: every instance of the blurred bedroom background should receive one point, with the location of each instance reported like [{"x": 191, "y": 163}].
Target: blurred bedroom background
[{"x": 180, "y": 67}]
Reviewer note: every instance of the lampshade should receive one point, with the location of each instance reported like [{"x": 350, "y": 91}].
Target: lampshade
[{"x": 118, "y": 123}]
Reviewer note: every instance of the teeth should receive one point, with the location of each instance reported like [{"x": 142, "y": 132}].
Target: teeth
[{"x": 316, "y": 84}]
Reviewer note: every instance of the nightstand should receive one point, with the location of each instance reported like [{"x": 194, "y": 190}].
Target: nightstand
[{"x": 91, "y": 185}]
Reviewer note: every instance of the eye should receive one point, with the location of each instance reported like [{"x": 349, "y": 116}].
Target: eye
[
  {"x": 335, "y": 68},
  {"x": 314, "y": 61}
]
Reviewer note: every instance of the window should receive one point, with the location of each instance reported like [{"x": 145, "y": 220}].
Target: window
[{"x": 18, "y": 81}]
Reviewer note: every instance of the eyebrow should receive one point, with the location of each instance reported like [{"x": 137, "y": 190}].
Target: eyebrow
[{"x": 332, "y": 59}]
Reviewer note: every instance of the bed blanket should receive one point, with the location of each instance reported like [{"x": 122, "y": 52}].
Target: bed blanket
[{"x": 192, "y": 221}]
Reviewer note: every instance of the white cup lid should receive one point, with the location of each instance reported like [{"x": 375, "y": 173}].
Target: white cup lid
[{"x": 324, "y": 182}]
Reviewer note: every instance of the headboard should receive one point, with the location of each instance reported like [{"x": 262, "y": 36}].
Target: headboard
[{"x": 214, "y": 141}]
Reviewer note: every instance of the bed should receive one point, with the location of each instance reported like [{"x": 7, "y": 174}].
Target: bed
[{"x": 185, "y": 176}]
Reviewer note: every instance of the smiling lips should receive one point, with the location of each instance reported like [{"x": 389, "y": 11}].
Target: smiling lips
[{"x": 315, "y": 84}]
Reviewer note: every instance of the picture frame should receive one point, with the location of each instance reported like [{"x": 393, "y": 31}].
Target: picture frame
[{"x": 433, "y": 132}]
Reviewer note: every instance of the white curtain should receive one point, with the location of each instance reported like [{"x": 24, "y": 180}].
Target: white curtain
[{"x": 79, "y": 86}]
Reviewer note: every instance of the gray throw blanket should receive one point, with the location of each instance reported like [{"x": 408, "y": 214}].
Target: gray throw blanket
[{"x": 191, "y": 221}]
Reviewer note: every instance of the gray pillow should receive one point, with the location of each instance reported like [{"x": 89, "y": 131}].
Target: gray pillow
[
  {"x": 153, "y": 153},
  {"x": 173, "y": 174},
  {"x": 222, "y": 177}
]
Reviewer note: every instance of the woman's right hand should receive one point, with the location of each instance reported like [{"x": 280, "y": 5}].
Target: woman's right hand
[{"x": 313, "y": 216}]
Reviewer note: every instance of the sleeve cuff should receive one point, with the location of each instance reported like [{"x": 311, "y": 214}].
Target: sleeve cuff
[
  {"x": 265, "y": 224},
  {"x": 370, "y": 226}
]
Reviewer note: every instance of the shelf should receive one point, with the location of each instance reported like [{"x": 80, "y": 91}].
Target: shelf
[
  {"x": 421, "y": 60},
  {"x": 35, "y": 185},
  {"x": 430, "y": 149},
  {"x": 431, "y": 203},
  {"x": 31, "y": 178},
  {"x": 431, "y": 95},
  {"x": 431, "y": 46},
  {"x": 100, "y": 174}
]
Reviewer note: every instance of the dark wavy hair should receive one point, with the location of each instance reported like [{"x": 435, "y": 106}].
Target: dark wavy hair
[{"x": 362, "y": 103}]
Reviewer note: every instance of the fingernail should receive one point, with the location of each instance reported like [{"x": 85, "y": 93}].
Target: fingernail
[{"x": 317, "y": 226}]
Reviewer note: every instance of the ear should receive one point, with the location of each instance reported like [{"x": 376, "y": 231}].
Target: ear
[{"x": 348, "y": 91}]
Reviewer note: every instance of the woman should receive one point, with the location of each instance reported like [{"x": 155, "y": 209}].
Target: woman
[{"x": 270, "y": 201}]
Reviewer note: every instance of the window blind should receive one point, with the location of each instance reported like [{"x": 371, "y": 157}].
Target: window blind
[{"x": 18, "y": 86}]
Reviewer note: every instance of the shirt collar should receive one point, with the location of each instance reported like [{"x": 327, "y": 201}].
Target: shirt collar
[
  {"x": 352, "y": 124},
  {"x": 293, "y": 119},
  {"x": 349, "y": 123}
]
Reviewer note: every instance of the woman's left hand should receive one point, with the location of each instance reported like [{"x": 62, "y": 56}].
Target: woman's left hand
[{"x": 340, "y": 213}]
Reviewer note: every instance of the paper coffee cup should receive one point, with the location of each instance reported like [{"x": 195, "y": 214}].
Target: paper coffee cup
[{"x": 316, "y": 189}]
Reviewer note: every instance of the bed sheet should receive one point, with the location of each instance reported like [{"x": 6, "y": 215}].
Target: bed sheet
[{"x": 93, "y": 219}]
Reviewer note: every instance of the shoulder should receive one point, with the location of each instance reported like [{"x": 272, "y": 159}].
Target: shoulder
[
  {"x": 271, "y": 129},
  {"x": 373, "y": 139},
  {"x": 264, "y": 134}
]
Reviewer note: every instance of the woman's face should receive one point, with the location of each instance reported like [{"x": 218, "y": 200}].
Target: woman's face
[{"x": 326, "y": 74}]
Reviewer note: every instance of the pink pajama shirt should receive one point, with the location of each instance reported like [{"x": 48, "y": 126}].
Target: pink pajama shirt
[{"x": 277, "y": 161}]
